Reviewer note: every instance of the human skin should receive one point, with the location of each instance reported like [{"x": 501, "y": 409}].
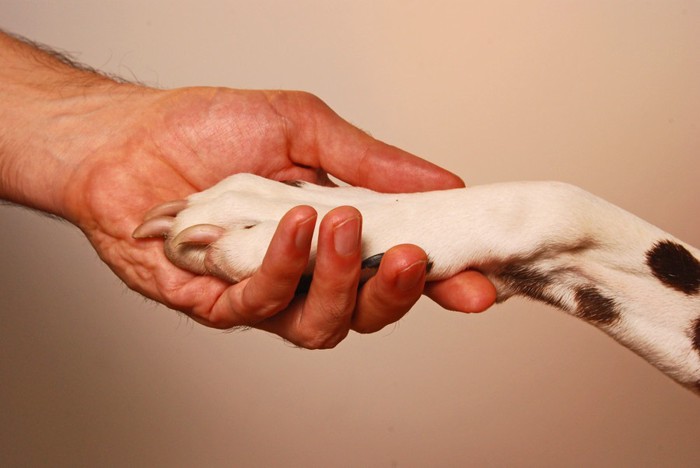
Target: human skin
[{"x": 99, "y": 152}]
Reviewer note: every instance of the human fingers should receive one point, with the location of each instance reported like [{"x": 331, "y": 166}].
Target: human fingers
[
  {"x": 322, "y": 318},
  {"x": 391, "y": 293},
  {"x": 271, "y": 289},
  {"x": 468, "y": 291}
]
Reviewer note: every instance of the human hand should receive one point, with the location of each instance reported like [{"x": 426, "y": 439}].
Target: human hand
[
  {"x": 198, "y": 136},
  {"x": 119, "y": 149}
]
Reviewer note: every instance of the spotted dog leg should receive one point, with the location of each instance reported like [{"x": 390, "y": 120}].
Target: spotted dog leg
[{"x": 548, "y": 241}]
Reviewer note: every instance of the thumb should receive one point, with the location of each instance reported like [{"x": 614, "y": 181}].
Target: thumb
[{"x": 318, "y": 137}]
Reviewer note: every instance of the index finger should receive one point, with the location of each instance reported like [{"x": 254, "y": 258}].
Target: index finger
[{"x": 271, "y": 288}]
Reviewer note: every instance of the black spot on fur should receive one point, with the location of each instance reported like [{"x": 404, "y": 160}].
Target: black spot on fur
[
  {"x": 674, "y": 266},
  {"x": 594, "y": 307},
  {"x": 372, "y": 262},
  {"x": 529, "y": 282},
  {"x": 294, "y": 183},
  {"x": 695, "y": 332},
  {"x": 429, "y": 266}
]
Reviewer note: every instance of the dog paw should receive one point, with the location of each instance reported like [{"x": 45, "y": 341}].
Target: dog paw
[{"x": 223, "y": 231}]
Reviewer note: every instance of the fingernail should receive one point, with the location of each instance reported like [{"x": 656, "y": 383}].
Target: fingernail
[
  {"x": 410, "y": 277},
  {"x": 305, "y": 231},
  {"x": 346, "y": 236}
]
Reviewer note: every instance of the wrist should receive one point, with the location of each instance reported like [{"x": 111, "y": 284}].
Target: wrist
[{"x": 50, "y": 122}]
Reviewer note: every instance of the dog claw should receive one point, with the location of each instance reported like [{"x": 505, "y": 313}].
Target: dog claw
[
  {"x": 170, "y": 208},
  {"x": 370, "y": 266},
  {"x": 372, "y": 262},
  {"x": 158, "y": 226},
  {"x": 199, "y": 234},
  {"x": 158, "y": 220},
  {"x": 189, "y": 248}
]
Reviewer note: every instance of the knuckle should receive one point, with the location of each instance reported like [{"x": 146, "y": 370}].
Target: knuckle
[
  {"x": 217, "y": 324},
  {"x": 309, "y": 99},
  {"x": 374, "y": 320},
  {"x": 322, "y": 339},
  {"x": 367, "y": 328},
  {"x": 322, "y": 342},
  {"x": 282, "y": 101},
  {"x": 262, "y": 303},
  {"x": 265, "y": 311},
  {"x": 327, "y": 316}
]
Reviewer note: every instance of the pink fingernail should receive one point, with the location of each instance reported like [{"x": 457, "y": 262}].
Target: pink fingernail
[
  {"x": 410, "y": 277},
  {"x": 346, "y": 236},
  {"x": 305, "y": 232}
]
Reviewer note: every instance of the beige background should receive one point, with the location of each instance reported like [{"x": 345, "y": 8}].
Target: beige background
[{"x": 603, "y": 94}]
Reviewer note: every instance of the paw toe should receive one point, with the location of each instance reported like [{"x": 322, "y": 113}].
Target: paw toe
[
  {"x": 158, "y": 226},
  {"x": 189, "y": 248},
  {"x": 158, "y": 221},
  {"x": 171, "y": 208}
]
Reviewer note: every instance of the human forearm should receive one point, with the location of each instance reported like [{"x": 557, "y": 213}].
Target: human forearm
[{"x": 48, "y": 110}]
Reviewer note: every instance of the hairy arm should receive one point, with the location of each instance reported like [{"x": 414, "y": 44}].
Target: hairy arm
[{"x": 46, "y": 126}]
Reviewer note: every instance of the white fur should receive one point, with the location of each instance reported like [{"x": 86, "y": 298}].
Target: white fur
[{"x": 571, "y": 237}]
